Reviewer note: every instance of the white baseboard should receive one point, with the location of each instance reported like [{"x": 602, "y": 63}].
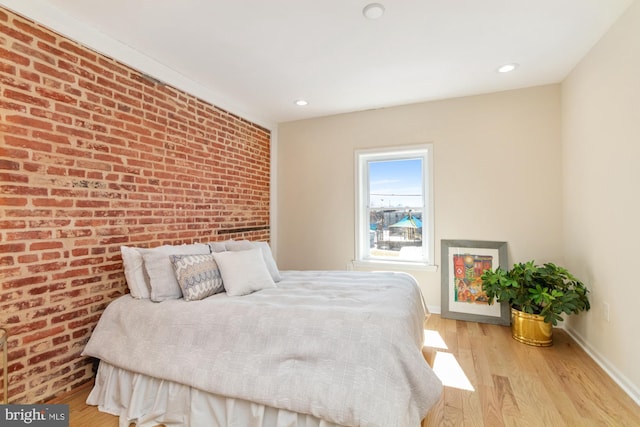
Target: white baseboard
[
  {"x": 629, "y": 388},
  {"x": 434, "y": 309}
]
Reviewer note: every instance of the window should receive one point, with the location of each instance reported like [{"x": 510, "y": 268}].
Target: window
[{"x": 394, "y": 205}]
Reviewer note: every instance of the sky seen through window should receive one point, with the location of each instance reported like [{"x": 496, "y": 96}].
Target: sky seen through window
[{"x": 395, "y": 183}]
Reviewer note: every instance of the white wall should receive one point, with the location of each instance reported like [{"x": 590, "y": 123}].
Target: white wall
[
  {"x": 497, "y": 177},
  {"x": 601, "y": 138}
]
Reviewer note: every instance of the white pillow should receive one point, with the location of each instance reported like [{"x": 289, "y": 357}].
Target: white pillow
[
  {"x": 133, "y": 264},
  {"x": 158, "y": 267},
  {"x": 243, "y": 245},
  {"x": 243, "y": 272},
  {"x": 218, "y": 246}
]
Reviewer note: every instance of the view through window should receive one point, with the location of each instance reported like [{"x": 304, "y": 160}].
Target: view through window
[{"x": 394, "y": 207}]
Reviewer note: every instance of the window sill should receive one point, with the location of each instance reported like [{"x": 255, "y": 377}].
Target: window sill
[{"x": 393, "y": 265}]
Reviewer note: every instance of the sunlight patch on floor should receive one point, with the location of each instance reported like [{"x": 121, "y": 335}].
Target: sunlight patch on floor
[
  {"x": 444, "y": 364},
  {"x": 434, "y": 340},
  {"x": 450, "y": 372}
]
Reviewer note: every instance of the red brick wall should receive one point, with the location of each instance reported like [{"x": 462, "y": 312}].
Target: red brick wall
[{"x": 93, "y": 155}]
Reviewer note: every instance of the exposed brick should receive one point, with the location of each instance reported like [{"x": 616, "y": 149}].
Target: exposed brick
[
  {"x": 15, "y": 83},
  {"x": 56, "y": 96},
  {"x": 22, "y": 97},
  {"x": 78, "y": 50},
  {"x": 26, "y": 339},
  {"x": 15, "y": 34},
  {"x": 29, "y": 27},
  {"x": 47, "y": 355},
  {"x": 12, "y": 106},
  {"x": 58, "y": 53},
  {"x": 53, "y": 72},
  {"x": 118, "y": 68},
  {"x": 7, "y": 68},
  {"x": 28, "y": 122},
  {"x": 75, "y": 69},
  {"x": 12, "y": 247},
  {"x": 9, "y": 165},
  {"x": 34, "y": 53},
  {"x": 93, "y": 155},
  {"x": 52, "y": 203},
  {"x": 43, "y": 245},
  {"x": 39, "y": 112},
  {"x": 95, "y": 88},
  {"x": 27, "y": 143}
]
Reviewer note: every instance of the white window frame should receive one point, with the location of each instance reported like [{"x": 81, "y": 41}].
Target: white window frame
[{"x": 362, "y": 158}]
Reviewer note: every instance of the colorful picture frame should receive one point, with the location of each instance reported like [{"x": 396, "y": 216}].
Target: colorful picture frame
[{"x": 462, "y": 298}]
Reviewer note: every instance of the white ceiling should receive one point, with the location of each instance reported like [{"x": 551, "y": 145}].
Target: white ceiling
[{"x": 256, "y": 57}]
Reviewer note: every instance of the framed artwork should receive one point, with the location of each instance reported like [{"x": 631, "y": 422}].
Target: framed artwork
[{"x": 463, "y": 262}]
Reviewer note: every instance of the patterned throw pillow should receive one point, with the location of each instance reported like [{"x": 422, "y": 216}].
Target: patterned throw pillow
[
  {"x": 197, "y": 275},
  {"x": 163, "y": 284}
]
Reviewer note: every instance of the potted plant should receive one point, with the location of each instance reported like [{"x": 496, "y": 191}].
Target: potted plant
[{"x": 538, "y": 296}]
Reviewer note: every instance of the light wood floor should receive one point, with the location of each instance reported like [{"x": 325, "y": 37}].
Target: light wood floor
[
  {"x": 519, "y": 385},
  {"x": 504, "y": 383}
]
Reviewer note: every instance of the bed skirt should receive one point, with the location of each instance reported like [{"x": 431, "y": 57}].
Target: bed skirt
[{"x": 148, "y": 401}]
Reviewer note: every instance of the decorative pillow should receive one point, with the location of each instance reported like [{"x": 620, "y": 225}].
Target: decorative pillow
[
  {"x": 197, "y": 275},
  {"x": 133, "y": 264},
  {"x": 243, "y": 272},
  {"x": 158, "y": 267},
  {"x": 243, "y": 245}
]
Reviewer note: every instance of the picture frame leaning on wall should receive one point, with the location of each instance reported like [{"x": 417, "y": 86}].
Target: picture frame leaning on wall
[{"x": 462, "y": 298}]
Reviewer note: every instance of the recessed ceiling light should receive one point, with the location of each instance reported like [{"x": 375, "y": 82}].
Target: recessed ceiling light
[
  {"x": 373, "y": 11},
  {"x": 301, "y": 102},
  {"x": 507, "y": 68}
]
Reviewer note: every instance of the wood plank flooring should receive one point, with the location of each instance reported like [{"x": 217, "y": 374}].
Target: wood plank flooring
[
  {"x": 513, "y": 384},
  {"x": 501, "y": 382}
]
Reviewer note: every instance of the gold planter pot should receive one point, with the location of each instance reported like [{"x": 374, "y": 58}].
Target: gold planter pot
[{"x": 530, "y": 329}]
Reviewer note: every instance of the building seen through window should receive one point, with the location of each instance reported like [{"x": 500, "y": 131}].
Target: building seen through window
[{"x": 393, "y": 198}]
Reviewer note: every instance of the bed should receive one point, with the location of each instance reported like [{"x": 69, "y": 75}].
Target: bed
[{"x": 308, "y": 348}]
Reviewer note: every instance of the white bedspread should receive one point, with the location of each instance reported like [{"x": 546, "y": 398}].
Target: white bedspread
[{"x": 342, "y": 346}]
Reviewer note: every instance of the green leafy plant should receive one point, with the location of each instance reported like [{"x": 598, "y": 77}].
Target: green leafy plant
[{"x": 547, "y": 290}]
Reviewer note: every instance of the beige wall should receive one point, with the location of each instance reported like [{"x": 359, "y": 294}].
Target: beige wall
[
  {"x": 570, "y": 179},
  {"x": 497, "y": 177},
  {"x": 601, "y": 139}
]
